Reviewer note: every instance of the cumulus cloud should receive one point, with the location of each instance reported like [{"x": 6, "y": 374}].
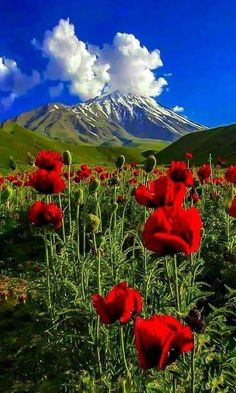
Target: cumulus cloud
[
  {"x": 124, "y": 65},
  {"x": 70, "y": 61},
  {"x": 178, "y": 109},
  {"x": 12, "y": 79},
  {"x": 131, "y": 66},
  {"x": 55, "y": 91}
]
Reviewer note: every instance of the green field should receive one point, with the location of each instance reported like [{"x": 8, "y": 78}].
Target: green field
[
  {"x": 18, "y": 141},
  {"x": 220, "y": 141}
]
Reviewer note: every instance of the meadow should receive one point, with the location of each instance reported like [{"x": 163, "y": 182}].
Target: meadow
[{"x": 118, "y": 278}]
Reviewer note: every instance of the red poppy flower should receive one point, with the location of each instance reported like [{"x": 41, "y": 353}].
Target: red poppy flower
[
  {"x": 160, "y": 340},
  {"x": 170, "y": 230},
  {"x": 120, "y": 199},
  {"x": 230, "y": 174},
  {"x": 133, "y": 164},
  {"x": 178, "y": 172},
  {"x": 41, "y": 214},
  {"x": 136, "y": 173},
  {"x": 119, "y": 304},
  {"x": 99, "y": 169},
  {"x": 49, "y": 160},
  {"x": 11, "y": 178},
  {"x": 160, "y": 192},
  {"x": 47, "y": 182},
  {"x": 232, "y": 210},
  {"x": 218, "y": 181},
  {"x": 18, "y": 183},
  {"x": 1, "y": 180},
  {"x": 104, "y": 176},
  {"x": 85, "y": 167},
  {"x": 132, "y": 181},
  {"x": 188, "y": 156},
  {"x": 204, "y": 173}
]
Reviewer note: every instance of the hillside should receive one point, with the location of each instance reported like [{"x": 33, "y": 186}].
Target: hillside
[
  {"x": 17, "y": 141},
  {"x": 220, "y": 141},
  {"x": 112, "y": 119}
]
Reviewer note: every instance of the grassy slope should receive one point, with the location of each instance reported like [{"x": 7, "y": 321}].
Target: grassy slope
[
  {"x": 17, "y": 141},
  {"x": 219, "y": 141}
]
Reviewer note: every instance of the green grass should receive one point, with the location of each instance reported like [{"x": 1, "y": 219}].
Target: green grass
[
  {"x": 18, "y": 141},
  {"x": 220, "y": 141}
]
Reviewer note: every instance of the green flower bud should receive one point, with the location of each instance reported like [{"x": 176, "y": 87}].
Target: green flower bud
[
  {"x": 79, "y": 195},
  {"x": 120, "y": 162},
  {"x": 30, "y": 159},
  {"x": 6, "y": 194},
  {"x": 93, "y": 223},
  {"x": 94, "y": 184},
  {"x": 67, "y": 158},
  {"x": 150, "y": 164},
  {"x": 100, "y": 239},
  {"x": 114, "y": 181},
  {"x": 12, "y": 164}
]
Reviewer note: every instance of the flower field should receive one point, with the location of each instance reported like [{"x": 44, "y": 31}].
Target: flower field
[{"x": 119, "y": 279}]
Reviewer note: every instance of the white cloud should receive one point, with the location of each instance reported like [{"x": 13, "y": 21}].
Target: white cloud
[
  {"x": 131, "y": 66},
  {"x": 7, "y": 101},
  {"x": 55, "y": 91},
  {"x": 168, "y": 74},
  {"x": 178, "y": 109},
  {"x": 13, "y": 80},
  {"x": 124, "y": 65},
  {"x": 70, "y": 61}
]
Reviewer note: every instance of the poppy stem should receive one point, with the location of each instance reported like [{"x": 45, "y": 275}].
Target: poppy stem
[
  {"x": 48, "y": 271},
  {"x": 193, "y": 370},
  {"x": 69, "y": 198},
  {"x": 176, "y": 284},
  {"x": 174, "y": 384},
  {"x": 123, "y": 351},
  {"x": 63, "y": 222}
]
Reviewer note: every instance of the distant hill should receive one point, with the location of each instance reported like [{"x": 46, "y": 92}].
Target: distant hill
[
  {"x": 18, "y": 141},
  {"x": 112, "y": 119},
  {"x": 220, "y": 141}
]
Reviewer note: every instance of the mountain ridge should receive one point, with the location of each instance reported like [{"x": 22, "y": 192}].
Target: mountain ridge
[{"x": 113, "y": 118}]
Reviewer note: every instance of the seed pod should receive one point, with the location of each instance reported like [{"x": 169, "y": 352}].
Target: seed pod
[
  {"x": 114, "y": 181},
  {"x": 93, "y": 185},
  {"x": 150, "y": 164},
  {"x": 92, "y": 223},
  {"x": 79, "y": 195},
  {"x": 120, "y": 162},
  {"x": 195, "y": 320},
  {"x": 67, "y": 158},
  {"x": 6, "y": 194}
]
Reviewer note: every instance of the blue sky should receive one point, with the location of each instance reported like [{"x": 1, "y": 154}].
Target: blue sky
[{"x": 196, "y": 39}]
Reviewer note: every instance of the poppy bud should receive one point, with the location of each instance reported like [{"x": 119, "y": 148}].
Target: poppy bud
[
  {"x": 114, "y": 181},
  {"x": 67, "y": 158},
  {"x": 30, "y": 159},
  {"x": 79, "y": 194},
  {"x": 120, "y": 162},
  {"x": 93, "y": 185},
  {"x": 93, "y": 223},
  {"x": 100, "y": 239},
  {"x": 12, "y": 164},
  {"x": 195, "y": 320},
  {"x": 150, "y": 164},
  {"x": 6, "y": 194}
]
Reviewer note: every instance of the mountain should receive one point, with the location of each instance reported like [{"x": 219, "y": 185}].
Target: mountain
[
  {"x": 17, "y": 141},
  {"x": 220, "y": 142},
  {"x": 113, "y": 119}
]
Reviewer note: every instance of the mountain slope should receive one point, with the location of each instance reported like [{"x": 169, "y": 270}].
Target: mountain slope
[
  {"x": 18, "y": 141},
  {"x": 220, "y": 141},
  {"x": 114, "y": 119}
]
